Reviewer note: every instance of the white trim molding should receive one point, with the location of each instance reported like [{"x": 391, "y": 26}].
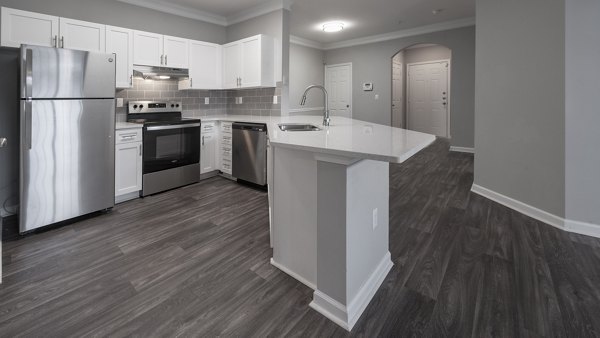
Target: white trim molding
[
  {"x": 463, "y": 149},
  {"x": 294, "y": 275},
  {"x": 296, "y": 40},
  {"x": 541, "y": 215},
  {"x": 192, "y": 13},
  {"x": 347, "y": 315},
  {"x": 442, "y": 26}
]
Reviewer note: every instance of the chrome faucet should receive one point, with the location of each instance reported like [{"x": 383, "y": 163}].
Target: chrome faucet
[{"x": 326, "y": 118}]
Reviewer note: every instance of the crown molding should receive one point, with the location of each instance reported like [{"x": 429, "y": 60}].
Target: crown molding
[
  {"x": 442, "y": 26},
  {"x": 305, "y": 42},
  {"x": 259, "y": 10},
  {"x": 165, "y": 7},
  {"x": 192, "y": 13}
]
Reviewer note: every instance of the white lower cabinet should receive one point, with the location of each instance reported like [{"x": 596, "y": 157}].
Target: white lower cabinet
[
  {"x": 128, "y": 164},
  {"x": 225, "y": 143},
  {"x": 208, "y": 149}
]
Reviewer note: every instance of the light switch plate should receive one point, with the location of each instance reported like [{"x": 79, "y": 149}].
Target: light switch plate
[{"x": 207, "y": 100}]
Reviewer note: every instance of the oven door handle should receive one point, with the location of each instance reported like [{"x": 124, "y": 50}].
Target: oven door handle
[{"x": 174, "y": 126}]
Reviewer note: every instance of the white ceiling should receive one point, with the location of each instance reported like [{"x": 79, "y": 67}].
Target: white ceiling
[
  {"x": 372, "y": 17},
  {"x": 364, "y": 18}
]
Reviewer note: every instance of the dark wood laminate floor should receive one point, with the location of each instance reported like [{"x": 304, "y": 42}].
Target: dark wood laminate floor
[{"x": 195, "y": 262}]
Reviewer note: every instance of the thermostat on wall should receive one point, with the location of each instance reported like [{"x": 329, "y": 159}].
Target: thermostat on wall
[{"x": 368, "y": 87}]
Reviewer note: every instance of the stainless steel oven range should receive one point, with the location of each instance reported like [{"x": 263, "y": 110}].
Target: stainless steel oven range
[{"x": 171, "y": 155}]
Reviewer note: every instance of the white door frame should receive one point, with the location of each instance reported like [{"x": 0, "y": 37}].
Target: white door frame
[
  {"x": 407, "y": 112},
  {"x": 351, "y": 85}
]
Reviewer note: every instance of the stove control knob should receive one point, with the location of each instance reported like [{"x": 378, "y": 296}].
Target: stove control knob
[
  {"x": 135, "y": 106},
  {"x": 172, "y": 106},
  {"x": 141, "y": 106},
  {"x": 177, "y": 105}
]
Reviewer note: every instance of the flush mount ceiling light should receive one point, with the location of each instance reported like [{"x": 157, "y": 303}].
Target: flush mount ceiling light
[{"x": 332, "y": 27}]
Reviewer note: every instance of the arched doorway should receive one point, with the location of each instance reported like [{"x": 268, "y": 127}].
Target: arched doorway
[{"x": 421, "y": 91}]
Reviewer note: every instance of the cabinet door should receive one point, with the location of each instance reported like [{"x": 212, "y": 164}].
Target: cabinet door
[
  {"x": 128, "y": 168},
  {"x": 177, "y": 52},
  {"x": 205, "y": 65},
  {"x": 147, "y": 49},
  {"x": 21, "y": 27},
  {"x": 120, "y": 42},
  {"x": 82, "y": 35},
  {"x": 251, "y": 62},
  {"x": 208, "y": 152},
  {"x": 232, "y": 59}
]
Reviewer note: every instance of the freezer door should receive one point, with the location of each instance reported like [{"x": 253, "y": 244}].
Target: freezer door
[
  {"x": 67, "y": 159},
  {"x": 56, "y": 73}
]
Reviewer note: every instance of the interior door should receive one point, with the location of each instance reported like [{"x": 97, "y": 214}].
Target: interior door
[
  {"x": 231, "y": 65},
  {"x": 176, "y": 52},
  {"x": 397, "y": 94},
  {"x": 338, "y": 82},
  {"x": 428, "y": 98},
  {"x": 120, "y": 42},
  {"x": 82, "y": 35},
  {"x": 21, "y": 27},
  {"x": 148, "y": 49}
]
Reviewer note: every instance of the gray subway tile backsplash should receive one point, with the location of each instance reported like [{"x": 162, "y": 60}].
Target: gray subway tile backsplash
[{"x": 255, "y": 102}]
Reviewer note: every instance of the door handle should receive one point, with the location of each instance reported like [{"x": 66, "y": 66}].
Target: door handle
[
  {"x": 28, "y": 117},
  {"x": 62, "y": 42},
  {"x": 202, "y": 140},
  {"x": 140, "y": 150},
  {"x": 131, "y": 80},
  {"x": 191, "y": 83},
  {"x": 166, "y": 62},
  {"x": 55, "y": 41},
  {"x": 162, "y": 57}
]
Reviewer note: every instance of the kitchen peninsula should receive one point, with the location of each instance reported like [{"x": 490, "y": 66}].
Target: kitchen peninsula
[{"x": 329, "y": 205}]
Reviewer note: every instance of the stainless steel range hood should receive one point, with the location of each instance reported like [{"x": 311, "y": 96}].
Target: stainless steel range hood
[{"x": 160, "y": 73}]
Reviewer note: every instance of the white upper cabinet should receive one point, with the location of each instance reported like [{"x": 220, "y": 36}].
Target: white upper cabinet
[
  {"x": 205, "y": 66},
  {"x": 232, "y": 65},
  {"x": 248, "y": 63},
  {"x": 81, "y": 35},
  {"x": 148, "y": 49},
  {"x": 176, "y": 52},
  {"x": 120, "y": 42},
  {"x": 21, "y": 27}
]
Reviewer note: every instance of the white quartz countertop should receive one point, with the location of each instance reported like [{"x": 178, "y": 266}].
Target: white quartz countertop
[
  {"x": 127, "y": 125},
  {"x": 344, "y": 137}
]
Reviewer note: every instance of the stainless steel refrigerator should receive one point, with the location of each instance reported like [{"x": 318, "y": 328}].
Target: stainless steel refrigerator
[{"x": 67, "y": 126}]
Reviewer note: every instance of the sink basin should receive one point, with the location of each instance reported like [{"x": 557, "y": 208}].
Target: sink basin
[{"x": 298, "y": 127}]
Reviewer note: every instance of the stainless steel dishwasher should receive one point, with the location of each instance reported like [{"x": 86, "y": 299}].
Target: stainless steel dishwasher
[{"x": 249, "y": 152}]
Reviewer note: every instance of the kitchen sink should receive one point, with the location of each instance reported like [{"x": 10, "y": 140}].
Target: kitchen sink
[{"x": 298, "y": 127}]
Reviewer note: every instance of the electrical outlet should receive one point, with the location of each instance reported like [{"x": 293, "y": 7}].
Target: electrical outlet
[
  {"x": 275, "y": 99},
  {"x": 207, "y": 100},
  {"x": 119, "y": 102},
  {"x": 375, "y": 218},
  {"x": 239, "y": 100},
  {"x": 376, "y": 96}
]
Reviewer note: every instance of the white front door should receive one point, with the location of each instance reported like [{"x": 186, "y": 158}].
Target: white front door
[
  {"x": 428, "y": 97},
  {"x": 397, "y": 95},
  {"x": 338, "y": 82}
]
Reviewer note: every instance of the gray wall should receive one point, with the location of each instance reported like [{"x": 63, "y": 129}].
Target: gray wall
[
  {"x": 372, "y": 63},
  {"x": 306, "y": 68},
  {"x": 582, "y": 112},
  {"x": 120, "y": 14},
  {"x": 520, "y": 100},
  {"x": 429, "y": 53}
]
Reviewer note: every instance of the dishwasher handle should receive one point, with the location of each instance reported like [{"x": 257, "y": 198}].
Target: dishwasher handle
[{"x": 260, "y": 127}]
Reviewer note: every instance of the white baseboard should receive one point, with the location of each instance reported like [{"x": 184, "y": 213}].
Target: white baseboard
[
  {"x": 347, "y": 316},
  {"x": 127, "y": 197},
  {"x": 294, "y": 275},
  {"x": 462, "y": 149},
  {"x": 541, "y": 215}
]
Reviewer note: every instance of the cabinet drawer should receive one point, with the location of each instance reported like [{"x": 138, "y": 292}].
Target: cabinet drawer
[
  {"x": 128, "y": 135},
  {"x": 226, "y": 127},
  {"x": 208, "y": 127},
  {"x": 226, "y": 139}
]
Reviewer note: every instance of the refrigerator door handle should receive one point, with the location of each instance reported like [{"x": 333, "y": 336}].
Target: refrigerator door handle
[
  {"x": 28, "y": 117},
  {"x": 28, "y": 73}
]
